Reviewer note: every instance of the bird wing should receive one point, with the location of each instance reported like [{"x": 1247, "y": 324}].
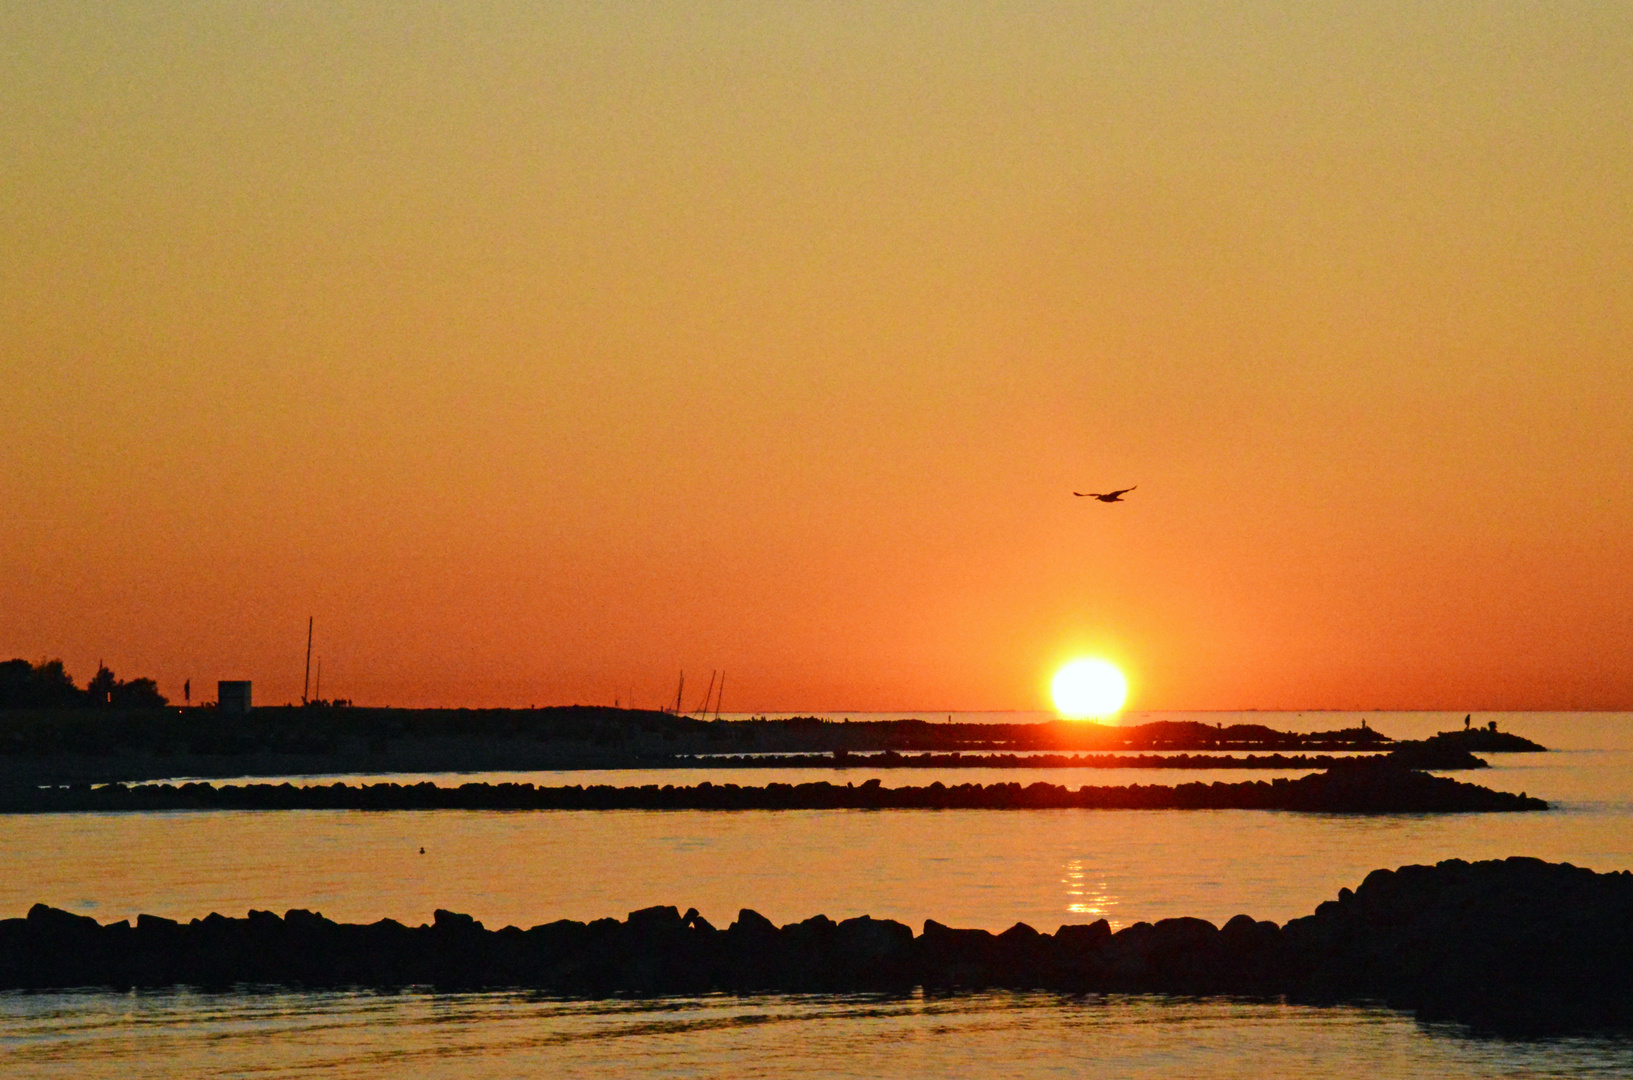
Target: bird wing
[
  {"x": 1125, "y": 491},
  {"x": 1085, "y": 495}
]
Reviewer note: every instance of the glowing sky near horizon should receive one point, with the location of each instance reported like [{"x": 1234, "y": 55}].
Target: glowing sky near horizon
[{"x": 541, "y": 351}]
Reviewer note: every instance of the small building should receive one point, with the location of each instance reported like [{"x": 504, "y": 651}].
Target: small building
[{"x": 232, "y": 696}]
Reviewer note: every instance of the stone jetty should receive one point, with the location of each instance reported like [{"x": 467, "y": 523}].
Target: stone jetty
[
  {"x": 1517, "y": 945},
  {"x": 1357, "y": 786},
  {"x": 1415, "y": 755}
]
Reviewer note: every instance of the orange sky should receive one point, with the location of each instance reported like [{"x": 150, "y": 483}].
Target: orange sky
[{"x": 541, "y": 350}]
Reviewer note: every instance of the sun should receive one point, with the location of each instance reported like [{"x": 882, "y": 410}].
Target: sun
[{"x": 1089, "y": 688}]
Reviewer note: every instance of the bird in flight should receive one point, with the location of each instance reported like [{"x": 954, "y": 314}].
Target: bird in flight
[{"x": 1110, "y": 496}]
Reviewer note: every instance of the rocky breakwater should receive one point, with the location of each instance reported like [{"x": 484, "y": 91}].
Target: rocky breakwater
[
  {"x": 1517, "y": 945},
  {"x": 1358, "y": 786},
  {"x": 1439, "y": 757}
]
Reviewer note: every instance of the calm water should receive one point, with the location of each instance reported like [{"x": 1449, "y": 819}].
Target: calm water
[
  {"x": 509, "y": 1035},
  {"x": 973, "y": 868}
]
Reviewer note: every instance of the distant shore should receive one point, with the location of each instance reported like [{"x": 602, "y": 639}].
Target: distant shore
[{"x": 70, "y": 746}]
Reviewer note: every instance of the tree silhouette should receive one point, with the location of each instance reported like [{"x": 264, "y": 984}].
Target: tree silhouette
[
  {"x": 138, "y": 694},
  {"x": 49, "y": 686},
  {"x": 100, "y": 688},
  {"x": 24, "y": 686}
]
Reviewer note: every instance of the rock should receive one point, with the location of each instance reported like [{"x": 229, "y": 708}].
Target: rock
[
  {"x": 1433, "y": 755},
  {"x": 751, "y": 923},
  {"x": 817, "y": 929},
  {"x": 657, "y": 920},
  {"x": 1019, "y": 934},
  {"x": 1485, "y": 740},
  {"x": 869, "y": 943},
  {"x": 301, "y": 919},
  {"x": 1126, "y": 958},
  {"x": 949, "y": 957},
  {"x": 1084, "y": 937}
]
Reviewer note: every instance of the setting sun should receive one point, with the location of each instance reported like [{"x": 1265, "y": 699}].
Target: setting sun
[{"x": 1089, "y": 688}]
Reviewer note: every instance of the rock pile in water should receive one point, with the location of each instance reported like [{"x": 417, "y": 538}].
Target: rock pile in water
[
  {"x": 1518, "y": 945},
  {"x": 1359, "y": 786},
  {"x": 1414, "y": 755}
]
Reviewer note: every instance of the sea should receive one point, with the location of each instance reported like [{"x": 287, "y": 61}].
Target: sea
[{"x": 971, "y": 868}]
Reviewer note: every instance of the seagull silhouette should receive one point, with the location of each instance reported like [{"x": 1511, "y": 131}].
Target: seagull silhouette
[{"x": 1110, "y": 496}]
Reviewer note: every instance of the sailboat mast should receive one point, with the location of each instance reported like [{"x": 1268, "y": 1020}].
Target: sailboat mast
[
  {"x": 307, "y": 685},
  {"x": 708, "y": 696}
]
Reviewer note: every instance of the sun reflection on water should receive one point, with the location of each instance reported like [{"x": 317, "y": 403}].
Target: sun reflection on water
[{"x": 1088, "y": 896}]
